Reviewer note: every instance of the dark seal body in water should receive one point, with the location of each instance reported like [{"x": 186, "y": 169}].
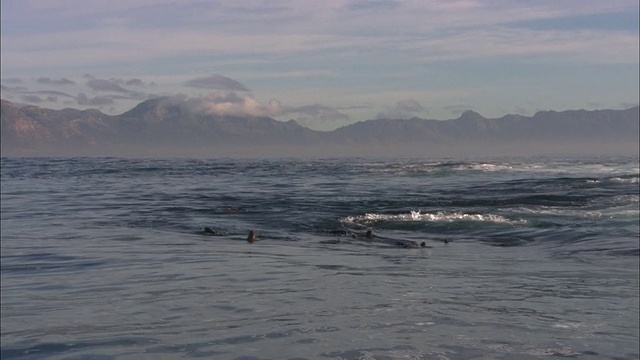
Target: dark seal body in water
[
  {"x": 366, "y": 235},
  {"x": 252, "y": 237},
  {"x": 369, "y": 236},
  {"x": 411, "y": 244}
]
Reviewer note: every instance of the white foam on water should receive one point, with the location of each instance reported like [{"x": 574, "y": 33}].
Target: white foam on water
[
  {"x": 417, "y": 216},
  {"x": 486, "y": 167},
  {"x": 567, "y": 325},
  {"x": 629, "y": 180}
]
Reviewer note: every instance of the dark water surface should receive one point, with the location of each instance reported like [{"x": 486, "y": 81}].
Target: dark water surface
[{"x": 105, "y": 259}]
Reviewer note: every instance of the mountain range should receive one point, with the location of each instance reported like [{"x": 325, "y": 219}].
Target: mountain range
[{"x": 168, "y": 127}]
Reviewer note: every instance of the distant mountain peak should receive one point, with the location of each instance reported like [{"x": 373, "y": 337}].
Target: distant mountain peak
[
  {"x": 145, "y": 107},
  {"x": 471, "y": 115}
]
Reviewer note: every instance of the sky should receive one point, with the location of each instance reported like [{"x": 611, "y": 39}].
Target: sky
[{"x": 325, "y": 63}]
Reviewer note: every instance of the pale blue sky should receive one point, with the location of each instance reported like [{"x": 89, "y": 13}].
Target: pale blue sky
[{"x": 324, "y": 63}]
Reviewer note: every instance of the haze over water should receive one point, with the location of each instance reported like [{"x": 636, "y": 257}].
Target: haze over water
[{"x": 105, "y": 258}]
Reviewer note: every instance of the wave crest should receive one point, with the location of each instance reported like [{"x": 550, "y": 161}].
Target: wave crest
[{"x": 440, "y": 216}]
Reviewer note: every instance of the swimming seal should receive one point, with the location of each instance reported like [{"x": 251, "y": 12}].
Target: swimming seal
[
  {"x": 252, "y": 237},
  {"x": 407, "y": 244},
  {"x": 367, "y": 235}
]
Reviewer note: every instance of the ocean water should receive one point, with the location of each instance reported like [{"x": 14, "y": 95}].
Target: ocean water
[{"x": 531, "y": 258}]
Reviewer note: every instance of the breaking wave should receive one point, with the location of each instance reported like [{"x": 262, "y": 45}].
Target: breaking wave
[{"x": 440, "y": 216}]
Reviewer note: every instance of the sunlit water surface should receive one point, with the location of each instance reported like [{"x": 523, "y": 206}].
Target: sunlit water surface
[{"x": 106, "y": 259}]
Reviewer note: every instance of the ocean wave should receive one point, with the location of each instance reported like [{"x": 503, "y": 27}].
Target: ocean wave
[
  {"x": 630, "y": 179},
  {"x": 559, "y": 167},
  {"x": 441, "y": 216},
  {"x": 622, "y": 179},
  {"x": 485, "y": 167},
  {"x": 620, "y": 206}
]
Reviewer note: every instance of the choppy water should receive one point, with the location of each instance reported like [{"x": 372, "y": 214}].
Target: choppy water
[{"x": 105, "y": 259}]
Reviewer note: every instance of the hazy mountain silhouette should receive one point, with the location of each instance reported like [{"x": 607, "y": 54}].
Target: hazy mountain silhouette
[{"x": 175, "y": 127}]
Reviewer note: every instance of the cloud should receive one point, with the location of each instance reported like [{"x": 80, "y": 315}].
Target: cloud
[
  {"x": 221, "y": 103},
  {"x": 342, "y": 47},
  {"x": 438, "y": 31},
  {"x": 135, "y": 82},
  {"x": 119, "y": 95},
  {"x": 49, "y": 81},
  {"x": 403, "y": 109},
  {"x": 217, "y": 82},
  {"x": 14, "y": 89},
  {"x": 12, "y": 80},
  {"x": 32, "y": 98},
  {"x": 128, "y": 82},
  {"x": 458, "y": 109},
  {"x": 315, "y": 112},
  {"x": 374, "y": 5},
  {"x": 98, "y": 101},
  {"x": 48, "y": 93},
  {"x": 232, "y": 104},
  {"x": 316, "y": 116},
  {"x": 409, "y": 105},
  {"x": 35, "y": 99},
  {"x": 519, "y": 110},
  {"x": 105, "y": 85}
]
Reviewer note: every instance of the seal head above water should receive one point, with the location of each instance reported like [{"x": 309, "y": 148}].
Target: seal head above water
[{"x": 252, "y": 237}]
